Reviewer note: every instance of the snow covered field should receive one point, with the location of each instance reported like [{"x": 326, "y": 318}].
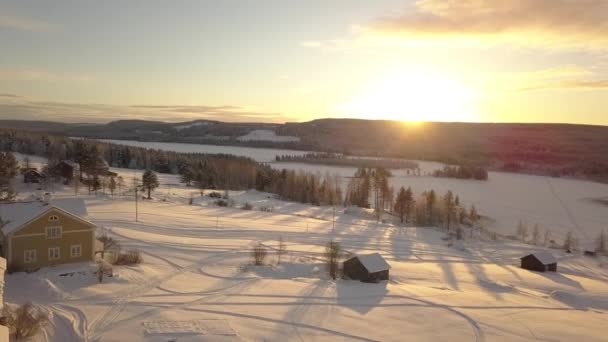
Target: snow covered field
[
  {"x": 560, "y": 205},
  {"x": 196, "y": 277}
]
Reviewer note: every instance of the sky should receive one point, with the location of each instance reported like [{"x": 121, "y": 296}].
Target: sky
[{"x": 299, "y": 60}]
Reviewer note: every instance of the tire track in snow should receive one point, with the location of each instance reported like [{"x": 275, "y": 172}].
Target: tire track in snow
[{"x": 99, "y": 325}]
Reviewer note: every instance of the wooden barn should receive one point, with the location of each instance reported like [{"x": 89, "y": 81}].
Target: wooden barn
[
  {"x": 31, "y": 175},
  {"x": 540, "y": 262},
  {"x": 369, "y": 268}
]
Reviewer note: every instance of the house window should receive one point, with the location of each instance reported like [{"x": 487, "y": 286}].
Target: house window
[
  {"x": 53, "y": 218},
  {"x": 54, "y": 253},
  {"x": 53, "y": 232},
  {"x": 75, "y": 251},
  {"x": 29, "y": 256}
]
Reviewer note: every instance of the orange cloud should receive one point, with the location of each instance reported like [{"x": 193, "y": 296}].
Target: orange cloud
[{"x": 547, "y": 22}]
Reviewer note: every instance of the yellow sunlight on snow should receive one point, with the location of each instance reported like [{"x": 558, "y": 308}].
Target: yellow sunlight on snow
[{"x": 413, "y": 95}]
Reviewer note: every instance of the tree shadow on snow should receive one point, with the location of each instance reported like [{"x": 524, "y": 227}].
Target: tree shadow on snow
[{"x": 360, "y": 297}]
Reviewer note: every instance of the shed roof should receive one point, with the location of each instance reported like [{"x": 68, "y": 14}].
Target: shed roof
[
  {"x": 544, "y": 257},
  {"x": 19, "y": 213},
  {"x": 373, "y": 262}
]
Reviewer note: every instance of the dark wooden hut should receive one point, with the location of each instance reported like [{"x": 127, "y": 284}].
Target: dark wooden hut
[
  {"x": 64, "y": 169},
  {"x": 369, "y": 268},
  {"x": 31, "y": 175},
  {"x": 540, "y": 262}
]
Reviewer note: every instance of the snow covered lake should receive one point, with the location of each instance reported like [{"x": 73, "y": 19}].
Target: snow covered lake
[{"x": 258, "y": 154}]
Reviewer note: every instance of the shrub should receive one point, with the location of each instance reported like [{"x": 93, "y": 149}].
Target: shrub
[
  {"x": 131, "y": 257},
  {"x": 247, "y": 206},
  {"x": 258, "y": 254},
  {"x": 109, "y": 243},
  {"x": 24, "y": 321},
  {"x": 266, "y": 209},
  {"x": 215, "y": 194},
  {"x": 332, "y": 256}
]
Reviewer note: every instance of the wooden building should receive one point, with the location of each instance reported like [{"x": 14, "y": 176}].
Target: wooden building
[
  {"x": 31, "y": 175},
  {"x": 40, "y": 234},
  {"x": 65, "y": 170},
  {"x": 369, "y": 268},
  {"x": 540, "y": 262}
]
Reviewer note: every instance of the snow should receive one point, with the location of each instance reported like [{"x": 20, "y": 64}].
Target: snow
[
  {"x": 197, "y": 268},
  {"x": 266, "y": 135},
  {"x": 19, "y": 213},
  {"x": 193, "y": 124},
  {"x": 545, "y": 257},
  {"x": 373, "y": 262},
  {"x": 258, "y": 154}
]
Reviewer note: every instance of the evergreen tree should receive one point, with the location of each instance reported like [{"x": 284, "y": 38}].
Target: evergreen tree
[
  {"x": 149, "y": 181},
  {"x": 8, "y": 170},
  {"x": 450, "y": 207},
  {"x": 112, "y": 185},
  {"x": 431, "y": 200},
  {"x": 602, "y": 242}
]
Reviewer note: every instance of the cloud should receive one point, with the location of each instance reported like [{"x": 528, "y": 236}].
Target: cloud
[
  {"x": 12, "y": 108},
  {"x": 33, "y": 75},
  {"x": 564, "y": 77},
  {"x": 545, "y": 22},
  {"x": 23, "y": 24}
]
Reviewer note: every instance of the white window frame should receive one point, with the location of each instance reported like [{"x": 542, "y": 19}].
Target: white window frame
[
  {"x": 30, "y": 256},
  {"x": 52, "y": 255},
  {"x": 58, "y": 236},
  {"x": 75, "y": 255},
  {"x": 53, "y": 218}
]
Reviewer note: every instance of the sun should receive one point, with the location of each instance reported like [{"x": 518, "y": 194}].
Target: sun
[{"x": 414, "y": 95}]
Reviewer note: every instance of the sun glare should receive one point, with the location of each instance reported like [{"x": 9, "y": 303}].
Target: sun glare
[{"x": 413, "y": 96}]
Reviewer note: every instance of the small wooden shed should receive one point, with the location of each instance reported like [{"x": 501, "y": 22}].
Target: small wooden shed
[
  {"x": 369, "y": 268},
  {"x": 540, "y": 262},
  {"x": 31, "y": 175}
]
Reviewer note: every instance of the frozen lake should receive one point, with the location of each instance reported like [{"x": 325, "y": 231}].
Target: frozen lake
[
  {"x": 258, "y": 154},
  {"x": 558, "y": 204}
]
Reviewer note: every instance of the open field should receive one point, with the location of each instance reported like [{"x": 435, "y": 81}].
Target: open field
[{"x": 196, "y": 272}]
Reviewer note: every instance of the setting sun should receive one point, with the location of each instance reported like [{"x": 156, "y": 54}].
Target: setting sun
[{"x": 413, "y": 95}]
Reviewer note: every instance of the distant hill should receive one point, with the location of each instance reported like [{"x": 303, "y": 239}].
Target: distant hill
[{"x": 556, "y": 149}]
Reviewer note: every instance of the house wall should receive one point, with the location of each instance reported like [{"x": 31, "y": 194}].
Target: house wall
[
  {"x": 34, "y": 237},
  {"x": 531, "y": 263}
]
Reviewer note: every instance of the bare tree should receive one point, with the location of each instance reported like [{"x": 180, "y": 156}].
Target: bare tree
[
  {"x": 547, "y": 239},
  {"x": 25, "y": 321},
  {"x": 281, "y": 249},
  {"x": 536, "y": 234},
  {"x": 258, "y": 254},
  {"x": 522, "y": 231},
  {"x": 570, "y": 242},
  {"x": 332, "y": 258}
]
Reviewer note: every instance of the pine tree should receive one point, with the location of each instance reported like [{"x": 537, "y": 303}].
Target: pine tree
[
  {"x": 602, "y": 242},
  {"x": 149, "y": 181},
  {"x": 547, "y": 238},
  {"x": 473, "y": 215},
  {"x": 112, "y": 185},
  {"x": 449, "y": 205},
  {"x": 400, "y": 208},
  {"x": 8, "y": 170},
  {"x": 569, "y": 242},
  {"x": 431, "y": 200}
]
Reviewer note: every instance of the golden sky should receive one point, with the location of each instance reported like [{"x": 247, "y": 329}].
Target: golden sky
[{"x": 277, "y": 61}]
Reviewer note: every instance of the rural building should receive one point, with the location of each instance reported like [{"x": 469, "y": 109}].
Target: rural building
[
  {"x": 540, "y": 262},
  {"x": 45, "y": 233},
  {"x": 31, "y": 175},
  {"x": 369, "y": 268},
  {"x": 64, "y": 169}
]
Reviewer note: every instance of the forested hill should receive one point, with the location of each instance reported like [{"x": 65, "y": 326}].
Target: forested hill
[{"x": 557, "y": 149}]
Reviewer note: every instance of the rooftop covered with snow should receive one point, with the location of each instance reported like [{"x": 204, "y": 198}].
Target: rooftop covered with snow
[
  {"x": 373, "y": 262},
  {"x": 544, "y": 257},
  {"x": 16, "y": 214}
]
